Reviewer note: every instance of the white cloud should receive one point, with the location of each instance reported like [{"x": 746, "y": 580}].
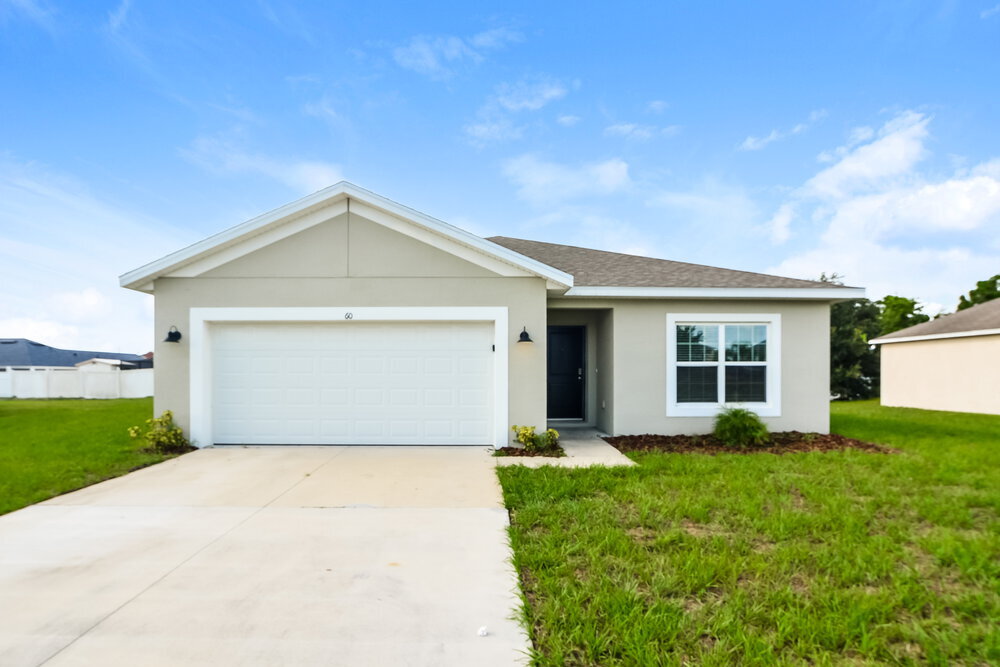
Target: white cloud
[
  {"x": 637, "y": 132},
  {"x": 60, "y": 271},
  {"x": 581, "y": 225},
  {"x": 856, "y": 136},
  {"x": 951, "y": 205},
  {"x": 119, "y": 15},
  {"x": 568, "y": 120},
  {"x": 220, "y": 157},
  {"x": 542, "y": 182},
  {"x": 86, "y": 305},
  {"x": 709, "y": 205},
  {"x": 899, "y": 146},
  {"x": 989, "y": 13},
  {"x": 657, "y": 106},
  {"x": 891, "y": 228},
  {"x": 436, "y": 56},
  {"x": 47, "y": 332},
  {"x": 528, "y": 94},
  {"x": 752, "y": 143},
  {"x": 630, "y": 131},
  {"x": 494, "y": 120},
  {"x": 779, "y": 226},
  {"x": 496, "y": 38},
  {"x": 937, "y": 275},
  {"x": 37, "y": 11},
  {"x": 491, "y": 131},
  {"x": 325, "y": 110},
  {"x": 287, "y": 20}
]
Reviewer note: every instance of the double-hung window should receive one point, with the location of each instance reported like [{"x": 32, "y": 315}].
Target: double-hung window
[{"x": 723, "y": 359}]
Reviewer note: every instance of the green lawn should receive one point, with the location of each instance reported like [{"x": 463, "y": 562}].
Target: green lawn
[
  {"x": 828, "y": 558},
  {"x": 51, "y": 447}
]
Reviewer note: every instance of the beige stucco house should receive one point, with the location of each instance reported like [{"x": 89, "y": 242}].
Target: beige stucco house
[
  {"x": 346, "y": 318},
  {"x": 951, "y": 363}
]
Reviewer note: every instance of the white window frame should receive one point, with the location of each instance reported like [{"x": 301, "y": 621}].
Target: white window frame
[{"x": 770, "y": 408}]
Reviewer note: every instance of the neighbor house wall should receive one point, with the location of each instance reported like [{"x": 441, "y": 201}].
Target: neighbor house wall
[
  {"x": 639, "y": 338},
  {"x": 378, "y": 268},
  {"x": 958, "y": 374}
]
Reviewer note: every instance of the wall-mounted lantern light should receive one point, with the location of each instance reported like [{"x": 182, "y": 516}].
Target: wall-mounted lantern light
[
  {"x": 525, "y": 338},
  {"x": 173, "y": 336}
]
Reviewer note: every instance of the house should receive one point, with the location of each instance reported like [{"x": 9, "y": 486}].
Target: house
[
  {"x": 102, "y": 365},
  {"x": 24, "y": 353},
  {"x": 951, "y": 363},
  {"x": 346, "y": 318}
]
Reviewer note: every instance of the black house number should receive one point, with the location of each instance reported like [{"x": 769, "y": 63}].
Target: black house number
[{"x": 348, "y": 316}]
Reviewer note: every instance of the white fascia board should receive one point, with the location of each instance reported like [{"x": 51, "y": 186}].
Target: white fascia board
[
  {"x": 142, "y": 278},
  {"x": 942, "y": 336},
  {"x": 815, "y": 293}
]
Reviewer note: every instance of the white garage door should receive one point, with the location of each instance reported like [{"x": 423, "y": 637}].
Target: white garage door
[{"x": 341, "y": 383}]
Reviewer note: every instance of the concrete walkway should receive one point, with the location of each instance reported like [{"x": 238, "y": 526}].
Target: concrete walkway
[
  {"x": 583, "y": 446},
  {"x": 267, "y": 556}
]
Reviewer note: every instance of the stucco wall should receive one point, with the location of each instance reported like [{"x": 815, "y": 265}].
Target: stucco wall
[
  {"x": 639, "y": 330},
  {"x": 958, "y": 374},
  {"x": 378, "y": 268}
]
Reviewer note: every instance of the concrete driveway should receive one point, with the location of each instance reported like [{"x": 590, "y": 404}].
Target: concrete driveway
[{"x": 267, "y": 556}]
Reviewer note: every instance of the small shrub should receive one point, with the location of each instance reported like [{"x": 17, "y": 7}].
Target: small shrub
[
  {"x": 739, "y": 427},
  {"x": 162, "y": 435},
  {"x": 536, "y": 442}
]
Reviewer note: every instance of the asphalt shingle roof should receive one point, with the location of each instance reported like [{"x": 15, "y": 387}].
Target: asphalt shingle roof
[
  {"x": 24, "y": 352},
  {"x": 983, "y": 316},
  {"x": 614, "y": 269}
]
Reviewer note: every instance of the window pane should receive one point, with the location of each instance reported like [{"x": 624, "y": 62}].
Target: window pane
[
  {"x": 746, "y": 384},
  {"x": 697, "y": 384},
  {"x": 758, "y": 341},
  {"x": 746, "y": 342},
  {"x": 697, "y": 342}
]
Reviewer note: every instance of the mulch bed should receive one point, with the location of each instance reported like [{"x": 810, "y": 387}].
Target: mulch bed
[
  {"x": 518, "y": 451},
  {"x": 786, "y": 442}
]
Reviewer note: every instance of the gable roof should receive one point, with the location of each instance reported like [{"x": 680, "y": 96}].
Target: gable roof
[
  {"x": 602, "y": 273},
  {"x": 24, "y": 352},
  {"x": 141, "y": 279},
  {"x": 980, "y": 320},
  {"x": 567, "y": 270}
]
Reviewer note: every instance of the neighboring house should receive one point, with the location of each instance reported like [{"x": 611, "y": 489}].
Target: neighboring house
[
  {"x": 24, "y": 353},
  {"x": 345, "y": 318},
  {"x": 951, "y": 363}
]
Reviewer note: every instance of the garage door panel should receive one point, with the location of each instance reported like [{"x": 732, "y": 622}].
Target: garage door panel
[{"x": 353, "y": 383}]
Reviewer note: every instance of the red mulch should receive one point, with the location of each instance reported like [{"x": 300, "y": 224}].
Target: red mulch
[
  {"x": 519, "y": 451},
  {"x": 785, "y": 442}
]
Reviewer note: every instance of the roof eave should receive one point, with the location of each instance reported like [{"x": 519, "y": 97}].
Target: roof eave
[
  {"x": 796, "y": 293},
  {"x": 940, "y": 336}
]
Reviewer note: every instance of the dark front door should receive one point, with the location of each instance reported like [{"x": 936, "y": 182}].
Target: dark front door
[{"x": 566, "y": 372}]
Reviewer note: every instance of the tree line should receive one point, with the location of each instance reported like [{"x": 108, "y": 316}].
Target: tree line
[{"x": 854, "y": 363}]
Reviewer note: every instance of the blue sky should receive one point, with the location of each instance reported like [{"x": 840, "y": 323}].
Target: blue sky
[{"x": 785, "y": 137}]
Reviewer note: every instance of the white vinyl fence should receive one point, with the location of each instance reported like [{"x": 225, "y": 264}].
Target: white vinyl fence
[{"x": 70, "y": 382}]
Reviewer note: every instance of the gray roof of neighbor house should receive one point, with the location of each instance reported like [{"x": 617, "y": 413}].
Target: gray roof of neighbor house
[
  {"x": 24, "y": 352},
  {"x": 614, "y": 269},
  {"x": 983, "y": 317}
]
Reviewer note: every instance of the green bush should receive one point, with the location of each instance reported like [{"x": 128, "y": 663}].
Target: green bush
[
  {"x": 739, "y": 427},
  {"x": 536, "y": 442},
  {"x": 162, "y": 435}
]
